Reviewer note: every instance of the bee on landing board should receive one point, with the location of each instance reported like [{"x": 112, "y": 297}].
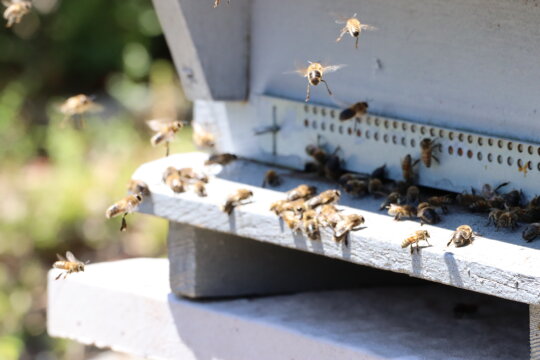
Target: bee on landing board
[
  {"x": 531, "y": 232},
  {"x": 314, "y": 74},
  {"x": 348, "y": 223},
  {"x": 427, "y": 146},
  {"x": 138, "y": 187},
  {"x": 272, "y": 178},
  {"x": 327, "y": 197},
  {"x": 236, "y": 199},
  {"x": 15, "y": 10},
  {"x": 401, "y": 211},
  {"x": 75, "y": 106},
  {"x": 200, "y": 188},
  {"x": 70, "y": 264},
  {"x": 301, "y": 192},
  {"x": 357, "y": 110},
  {"x": 172, "y": 178},
  {"x": 310, "y": 225},
  {"x": 463, "y": 235},
  {"x": 125, "y": 206},
  {"x": 221, "y": 159},
  {"x": 165, "y": 131},
  {"x": 354, "y": 27},
  {"x": 329, "y": 216},
  {"x": 427, "y": 214},
  {"x": 415, "y": 238}
]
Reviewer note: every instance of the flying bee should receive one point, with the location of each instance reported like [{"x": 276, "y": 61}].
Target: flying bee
[
  {"x": 329, "y": 215},
  {"x": 200, "y": 188},
  {"x": 165, "y": 131},
  {"x": 427, "y": 214},
  {"x": 236, "y": 199},
  {"x": 314, "y": 73},
  {"x": 15, "y": 10},
  {"x": 392, "y": 198},
  {"x": 356, "y": 187},
  {"x": 325, "y": 198},
  {"x": 401, "y": 211},
  {"x": 357, "y": 110},
  {"x": 427, "y": 146},
  {"x": 201, "y": 138},
  {"x": 463, "y": 235},
  {"x": 531, "y": 232},
  {"x": 272, "y": 178},
  {"x": 75, "y": 106},
  {"x": 221, "y": 159},
  {"x": 70, "y": 264},
  {"x": 418, "y": 236},
  {"x": 413, "y": 194},
  {"x": 301, "y": 192},
  {"x": 216, "y": 3},
  {"x": 352, "y": 222},
  {"x": 172, "y": 178},
  {"x": 124, "y": 206},
  {"x": 354, "y": 28},
  {"x": 407, "y": 168},
  {"x": 441, "y": 202},
  {"x": 138, "y": 187}
]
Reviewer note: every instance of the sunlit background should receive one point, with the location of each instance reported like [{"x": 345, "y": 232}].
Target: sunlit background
[{"x": 55, "y": 183}]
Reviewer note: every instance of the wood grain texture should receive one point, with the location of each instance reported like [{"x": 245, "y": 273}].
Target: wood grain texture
[
  {"x": 534, "y": 311},
  {"x": 498, "y": 263}
]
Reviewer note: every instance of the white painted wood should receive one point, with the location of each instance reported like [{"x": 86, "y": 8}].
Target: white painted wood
[
  {"x": 498, "y": 263},
  {"x": 127, "y": 306},
  {"x": 205, "y": 264},
  {"x": 209, "y": 46}
]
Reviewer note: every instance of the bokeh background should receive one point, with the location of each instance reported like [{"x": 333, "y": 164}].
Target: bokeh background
[{"x": 55, "y": 183}]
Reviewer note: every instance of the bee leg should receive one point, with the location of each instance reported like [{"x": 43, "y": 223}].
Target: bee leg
[
  {"x": 123, "y": 227},
  {"x": 308, "y": 90},
  {"x": 357, "y": 42},
  {"x": 343, "y": 32},
  {"x": 435, "y": 158},
  {"x": 415, "y": 163},
  {"x": 327, "y": 88},
  {"x": 58, "y": 277},
  {"x": 448, "y": 244}
]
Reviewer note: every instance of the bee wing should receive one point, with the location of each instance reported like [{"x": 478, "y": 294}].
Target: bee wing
[
  {"x": 333, "y": 68},
  {"x": 156, "y": 124},
  {"x": 60, "y": 257},
  {"x": 368, "y": 27},
  {"x": 71, "y": 257},
  {"x": 7, "y": 3}
]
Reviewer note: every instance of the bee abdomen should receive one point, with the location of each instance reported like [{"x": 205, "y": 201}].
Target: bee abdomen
[
  {"x": 407, "y": 242},
  {"x": 347, "y": 114},
  {"x": 113, "y": 211},
  {"x": 157, "y": 139},
  {"x": 59, "y": 265}
]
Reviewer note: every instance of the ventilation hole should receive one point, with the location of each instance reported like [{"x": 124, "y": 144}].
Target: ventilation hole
[
  {"x": 358, "y": 132},
  {"x": 450, "y": 150},
  {"x": 323, "y": 112},
  {"x": 413, "y": 143},
  {"x": 510, "y": 161},
  {"x": 323, "y": 126},
  {"x": 403, "y": 141},
  {"x": 460, "y": 151},
  {"x": 529, "y": 165},
  {"x": 432, "y": 132},
  {"x": 520, "y": 163},
  {"x": 469, "y": 154},
  {"x": 394, "y": 139},
  {"x": 499, "y": 159},
  {"x": 368, "y": 120},
  {"x": 413, "y": 128},
  {"x": 510, "y": 145},
  {"x": 395, "y": 124},
  {"x": 500, "y": 144},
  {"x": 306, "y": 122},
  {"x": 386, "y": 124},
  {"x": 367, "y": 134},
  {"x": 479, "y": 156},
  {"x": 349, "y": 130},
  {"x": 480, "y": 141},
  {"x": 376, "y": 136},
  {"x": 422, "y": 130},
  {"x": 331, "y": 127},
  {"x": 377, "y": 121},
  {"x": 451, "y": 135},
  {"x": 385, "y": 138},
  {"x": 490, "y": 157},
  {"x": 314, "y": 110},
  {"x": 314, "y": 124},
  {"x": 470, "y": 139},
  {"x": 441, "y": 133},
  {"x": 490, "y": 142},
  {"x": 520, "y": 148},
  {"x": 340, "y": 129},
  {"x": 403, "y": 126},
  {"x": 538, "y": 151},
  {"x": 332, "y": 114},
  {"x": 538, "y": 166},
  {"x": 306, "y": 108},
  {"x": 530, "y": 149},
  {"x": 460, "y": 137}
]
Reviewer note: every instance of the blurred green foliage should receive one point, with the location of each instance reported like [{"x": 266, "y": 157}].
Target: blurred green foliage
[{"x": 55, "y": 183}]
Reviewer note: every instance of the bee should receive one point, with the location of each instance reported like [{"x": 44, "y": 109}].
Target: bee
[
  {"x": 463, "y": 235},
  {"x": 202, "y": 138},
  {"x": 482, "y": 205},
  {"x": 310, "y": 225},
  {"x": 401, "y": 211},
  {"x": 314, "y": 73},
  {"x": 392, "y": 198},
  {"x": 348, "y": 223},
  {"x": 468, "y": 199},
  {"x": 333, "y": 168},
  {"x": 343, "y": 179},
  {"x": 124, "y": 206},
  {"x": 376, "y": 187},
  {"x": 15, "y": 10},
  {"x": 189, "y": 175},
  {"x": 292, "y": 221},
  {"x": 441, "y": 202},
  {"x": 165, "y": 131},
  {"x": 513, "y": 198},
  {"x": 281, "y": 206},
  {"x": 271, "y": 178},
  {"x": 356, "y": 187},
  {"x": 317, "y": 153},
  {"x": 236, "y": 199},
  {"x": 221, "y": 159},
  {"x": 301, "y": 192},
  {"x": 357, "y": 110},
  {"x": 531, "y": 232},
  {"x": 379, "y": 173},
  {"x": 427, "y": 214},
  {"x": 200, "y": 188},
  {"x": 524, "y": 168},
  {"x": 216, "y": 3},
  {"x": 325, "y": 198},
  {"x": 172, "y": 178},
  {"x": 488, "y": 192},
  {"x": 138, "y": 187},
  {"x": 427, "y": 146},
  {"x": 70, "y": 264},
  {"x": 418, "y": 236},
  {"x": 329, "y": 215},
  {"x": 354, "y": 28},
  {"x": 530, "y": 214},
  {"x": 413, "y": 194},
  {"x": 535, "y": 202},
  {"x": 501, "y": 218},
  {"x": 76, "y": 106},
  {"x": 407, "y": 168}
]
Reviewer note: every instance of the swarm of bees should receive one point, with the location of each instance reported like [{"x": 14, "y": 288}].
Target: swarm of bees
[{"x": 15, "y": 10}]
